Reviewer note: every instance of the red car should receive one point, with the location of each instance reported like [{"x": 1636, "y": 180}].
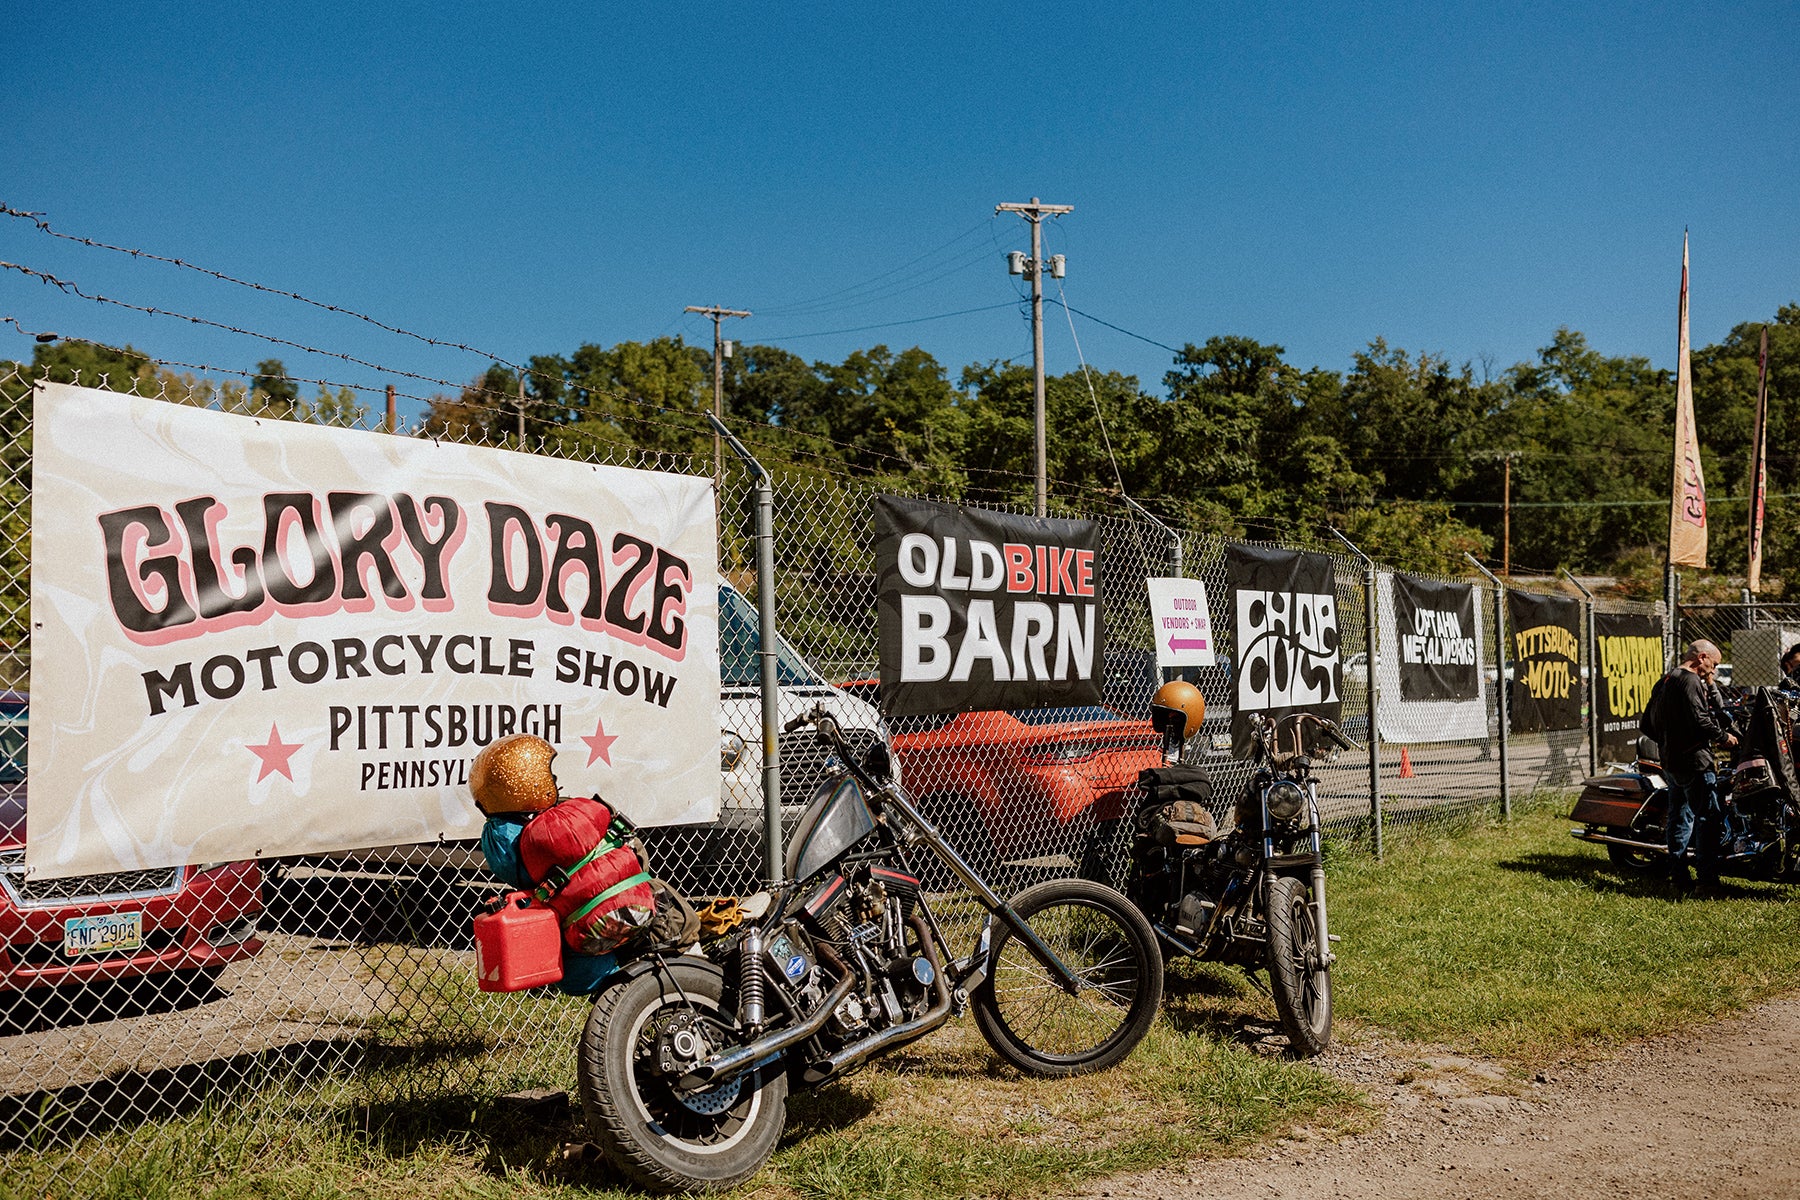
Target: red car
[
  {"x": 110, "y": 927},
  {"x": 1007, "y": 787}
]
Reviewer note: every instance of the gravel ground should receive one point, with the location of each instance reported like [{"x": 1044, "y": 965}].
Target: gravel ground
[{"x": 1712, "y": 1112}]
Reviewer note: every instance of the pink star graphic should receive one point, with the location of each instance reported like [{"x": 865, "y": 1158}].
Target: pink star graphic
[
  {"x": 274, "y": 754},
  {"x": 599, "y": 744}
]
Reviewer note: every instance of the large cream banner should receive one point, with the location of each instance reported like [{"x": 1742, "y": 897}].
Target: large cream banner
[{"x": 255, "y": 638}]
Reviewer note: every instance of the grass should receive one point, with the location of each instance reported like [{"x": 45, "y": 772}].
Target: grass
[
  {"x": 1511, "y": 942},
  {"x": 1521, "y": 943}
]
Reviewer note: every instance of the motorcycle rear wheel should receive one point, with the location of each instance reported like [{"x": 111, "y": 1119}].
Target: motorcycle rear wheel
[
  {"x": 662, "y": 1139},
  {"x": 1632, "y": 860},
  {"x": 1037, "y": 1026},
  {"x": 1298, "y": 978}
]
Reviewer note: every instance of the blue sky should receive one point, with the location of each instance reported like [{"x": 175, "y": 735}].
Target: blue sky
[{"x": 524, "y": 178}]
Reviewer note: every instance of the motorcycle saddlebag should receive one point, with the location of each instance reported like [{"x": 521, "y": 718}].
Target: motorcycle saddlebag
[
  {"x": 588, "y": 870},
  {"x": 1610, "y": 800},
  {"x": 1177, "y": 806}
]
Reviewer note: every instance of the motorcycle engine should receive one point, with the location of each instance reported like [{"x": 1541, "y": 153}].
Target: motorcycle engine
[{"x": 868, "y": 933}]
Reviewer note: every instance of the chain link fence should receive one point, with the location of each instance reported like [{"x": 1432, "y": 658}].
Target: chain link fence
[{"x": 333, "y": 992}]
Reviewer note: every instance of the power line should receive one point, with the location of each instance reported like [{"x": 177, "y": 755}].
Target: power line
[
  {"x": 795, "y": 337},
  {"x": 1121, "y": 329}
]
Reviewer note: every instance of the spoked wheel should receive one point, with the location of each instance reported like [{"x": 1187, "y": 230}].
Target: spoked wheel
[
  {"x": 1038, "y": 1026},
  {"x": 1632, "y": 860},
  {"x": 1298, "y": 977},
  {"x": 641, "y": 1036}
]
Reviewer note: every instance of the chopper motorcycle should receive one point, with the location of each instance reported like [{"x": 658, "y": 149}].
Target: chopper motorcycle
[
  {"x": 1255, "y": 895},
  {"x": 1627, "y": 809},
  {"x": 686, "y": 1062}
]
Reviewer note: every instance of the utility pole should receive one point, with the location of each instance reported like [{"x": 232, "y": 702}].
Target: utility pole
[
  {"x": 1506, "y": 461},
  {"x": 1033, "y": 269},
  {"x": 718, "y": 315}
]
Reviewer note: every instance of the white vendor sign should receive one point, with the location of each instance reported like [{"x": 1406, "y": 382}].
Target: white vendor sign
[
  {"x": 1181, "y": 622},
  {"x": 255, "y": 638}
]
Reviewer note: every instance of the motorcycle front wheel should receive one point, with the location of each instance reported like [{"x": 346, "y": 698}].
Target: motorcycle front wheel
[
  {"x": 1298, "y": 977},
  {"x": 662, "y": 1138},
  {"x": 1038, "y": 1026}
]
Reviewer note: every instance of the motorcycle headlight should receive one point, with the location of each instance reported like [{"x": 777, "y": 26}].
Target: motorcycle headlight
[{"x": 1286, "y": 800}]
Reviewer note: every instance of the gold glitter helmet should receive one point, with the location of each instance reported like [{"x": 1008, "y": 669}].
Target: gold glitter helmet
[{"x": 513, "y": 775}]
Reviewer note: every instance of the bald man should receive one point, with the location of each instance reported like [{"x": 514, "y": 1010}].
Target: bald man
[{"x": 1686, "y": 728}]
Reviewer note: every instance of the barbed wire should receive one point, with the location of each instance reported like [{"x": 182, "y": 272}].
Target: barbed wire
[{"x": 38, "y": 220}]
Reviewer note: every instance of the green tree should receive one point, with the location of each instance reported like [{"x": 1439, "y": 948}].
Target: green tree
[{"x": 272, "y": 392}]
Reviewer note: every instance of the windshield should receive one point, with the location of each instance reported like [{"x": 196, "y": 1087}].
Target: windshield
[
  {"x": 12, "y": 747},
  {"x": 739, "y": 642}
]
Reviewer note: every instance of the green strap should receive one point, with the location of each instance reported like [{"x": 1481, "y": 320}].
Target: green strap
[
  {"x": 611, "y": 841},
  {"x": 608, "y": 894}
]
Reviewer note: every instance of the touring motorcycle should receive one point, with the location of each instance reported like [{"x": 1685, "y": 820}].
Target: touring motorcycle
[
  {"x": 686, "y": 1062},
  {"x": 1254, "y": 895},
  {"x": 1627, "y": 809}
]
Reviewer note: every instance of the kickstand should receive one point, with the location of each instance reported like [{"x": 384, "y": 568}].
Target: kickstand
[{"x": 1259, "y": 985}]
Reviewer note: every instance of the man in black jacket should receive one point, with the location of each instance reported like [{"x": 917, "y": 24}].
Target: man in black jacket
[{"x": 1686, "y": 727}]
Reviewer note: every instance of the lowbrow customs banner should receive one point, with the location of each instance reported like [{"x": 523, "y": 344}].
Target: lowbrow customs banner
[
  {"x": 254, "y": 637},
  {"x": 1435, "y": 632},
  {"x": 1284, "y": 607},
  {"x": 1433, "y": 635},
  {"x": 1631, "y": 661},
  {"x": 985, "y": 610},
  {"x": 1544, "y": 654}
]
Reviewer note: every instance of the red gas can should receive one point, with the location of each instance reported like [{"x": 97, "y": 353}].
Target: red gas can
[{"x": 518, "y": 945}]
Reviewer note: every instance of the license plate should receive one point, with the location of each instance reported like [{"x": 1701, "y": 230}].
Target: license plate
[{"x": 103, "y": 934}]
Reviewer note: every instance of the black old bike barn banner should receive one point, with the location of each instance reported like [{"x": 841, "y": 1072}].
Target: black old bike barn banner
[
  {"x": 985, "y": 610},
  {"x": 1436, "y": 636},
  {"x": 1286, "y": 639},
  {"x": 1544, "y": 645},
  {"x": 1631, "y": 661}
]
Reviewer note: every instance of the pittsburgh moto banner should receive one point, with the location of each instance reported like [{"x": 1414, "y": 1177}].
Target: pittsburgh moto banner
[
  {"x": 258, "y": 638},
  {"x": 1435, "y": 633},
  {"x": 1545, "y": 658},
  {"x": 985, "y": 610},
  {"x": 1284, "y": 606},
  {"x": 1631, "y": 661}
]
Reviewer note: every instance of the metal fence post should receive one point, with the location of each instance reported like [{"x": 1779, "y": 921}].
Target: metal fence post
[
  {"x": 1370, "y": 625},
  {"x": 1593, "y": 681},
  {"x": 1500, "y": 681},
  {"x": 771, "y": 690}
]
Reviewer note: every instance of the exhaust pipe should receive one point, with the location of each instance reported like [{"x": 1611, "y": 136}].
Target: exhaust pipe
[
  {"x": 724, "y": 1066},
  {"x": 1614, "y": 840},
  {"x": 906, "y": 1031}
]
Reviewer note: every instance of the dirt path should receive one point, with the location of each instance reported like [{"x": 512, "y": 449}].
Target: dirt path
[{"x": 1711, "y": 1113}]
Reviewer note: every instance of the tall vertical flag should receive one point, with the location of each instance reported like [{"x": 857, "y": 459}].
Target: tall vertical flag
[
  {"x": 1687, "y": 513},
  {"x": 1759, "y": 464}
]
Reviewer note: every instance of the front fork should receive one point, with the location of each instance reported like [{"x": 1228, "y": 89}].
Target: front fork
[{"x": 1326, "y": 957}]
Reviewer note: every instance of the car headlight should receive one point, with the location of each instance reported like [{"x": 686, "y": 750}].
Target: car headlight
[
  {"x": 1286, "y": 799},
  {"x": 731, "y": 750}
]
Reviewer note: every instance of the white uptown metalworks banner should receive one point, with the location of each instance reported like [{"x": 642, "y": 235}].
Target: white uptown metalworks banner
[
  {"x": 1449, "y": 638},
  {"x": 255, "y": 638}
]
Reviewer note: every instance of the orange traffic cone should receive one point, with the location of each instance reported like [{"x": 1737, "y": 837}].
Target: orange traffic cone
[{"x": 1406, "y": 771}]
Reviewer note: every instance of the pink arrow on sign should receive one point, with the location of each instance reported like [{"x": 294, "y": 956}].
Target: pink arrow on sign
[{"x": 1176, "y": 643}]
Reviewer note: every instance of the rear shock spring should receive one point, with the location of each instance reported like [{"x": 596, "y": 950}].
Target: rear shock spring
[{"x": 750, "y": 980}]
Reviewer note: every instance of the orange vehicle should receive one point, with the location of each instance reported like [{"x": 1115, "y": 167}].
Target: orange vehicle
[{"x": 1013, "y": 786}]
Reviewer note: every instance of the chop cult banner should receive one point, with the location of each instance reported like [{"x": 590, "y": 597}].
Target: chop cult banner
[
  {"x": 1545, "y": 659},
  {"x": 255, "y": 637},
  {"x": 1284, "y": 604},
  {"x": 1438, "y": 638},
  {"x": 985, "y": 610},
  {"x": 1631, "y": 661}
]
